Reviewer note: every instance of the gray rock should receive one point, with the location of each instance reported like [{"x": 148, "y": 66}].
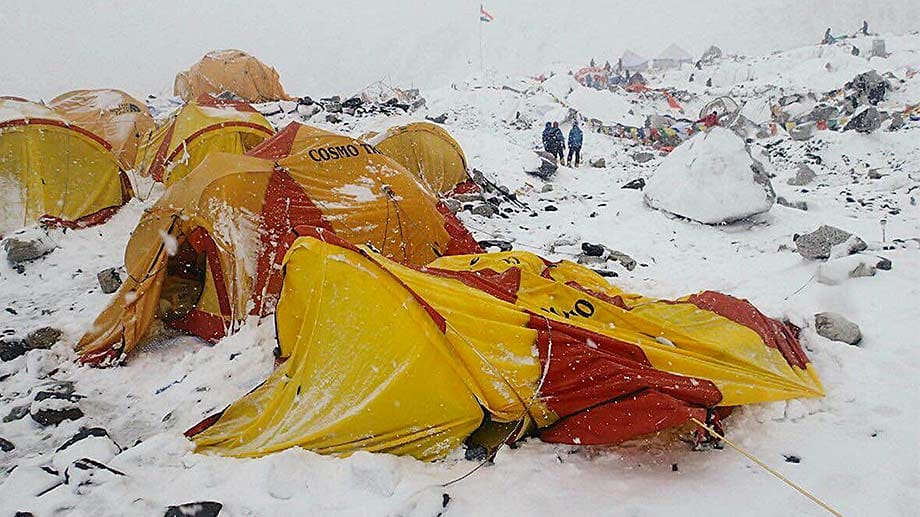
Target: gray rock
[
  {"x": 802, "y": 132},
  {"x": 636, "y": 184},
  {"x": 798, "y": 205},
  {"x": 591, "y": 260},
  {"x": 332, "y": 118},
  {"x": 874, "y": 174},
  {"x": 803, "y": 176},
  {"x": 453, "y": 205},
  {"x": 11, "y": 348},
  {"x": 19, "y": 250},
  {"x": 884, "y": 264},
  {"x": 818, "y": 244},
  {"x": 495, "y": 243},
  {"x": 862, "y": 270},
  {"x": 469, "y": 197},
  {"x": 42, "y": 338},
  {"x": 17, "y": 413},
  {"x": 870, "y": 85},
  {"x": 333, "y": 107},
  {"x": 593, "y": 250},
  {"x": 6, "y": 445},
  {"x": 547, "y": 187},
  {"x": 820, "y": 112},
  {"x": 866, "y": 121},
  {"x": 897, "y": 122},
  {"x": 199, "y": 509},
  {"x": 483, "y": 209},
  {"x": 598, "y": 163},
  {"x": 53, "y": 414},
  {"x": 440, "y": 119},
  {"x": 625, "y": 260},
  {"x": 643, "y": 157},
  {"x": 109, "y": 280},
  {"x": 837, "y": 328}
]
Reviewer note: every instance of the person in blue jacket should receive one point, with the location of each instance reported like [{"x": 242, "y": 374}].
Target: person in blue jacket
[
  {"x": 548, "y": 139},
  {"x": 575, "y": 139},
  {"x": 559, "y": 142}
]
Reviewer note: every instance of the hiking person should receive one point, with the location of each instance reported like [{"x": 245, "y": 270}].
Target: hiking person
[
  {"x": 558, "y": 142},
  {"x": 865, "y": 28},
  {"x": 828, "y": 38},
  {"x": 548, "y": 144},
  {"x": 575, "y": 140},
  {"x": 710, "y": 120}
]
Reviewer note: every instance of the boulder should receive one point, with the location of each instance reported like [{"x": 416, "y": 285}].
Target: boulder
[
  {"x": 17, "y": 413},
  {"x": 332, "y": 118},
  {"x": 87, "y": 472},
  {"x": 40, "y": 363},
  {"x": 837, "y": 328},
  {"x": 593, "y": 250},
  {"x": 53, "y": 411},
  {"x": 109, "y": 280},
  {"x": 198, "y": 509},
  {"x": 453, "y": 205},
  {"x": 598, "y": 163},
  {"x": 625, "y": 260},
  {"x": 42, "y": 338},
  {"x": 11, "y": 348},
  {"x": 884, "y": 264},
  {"x": 484, "y": 210},
  {"x": 803, "y": 176},
  {"x": 93, "y": 443},
  {"x": 27, "y": 247},
  {"x": 818, "y": 244},
  {"x": 6, "y": 445},
  {"x": 866, "y": 121},
  {"x": 643, "y": 157},
  {"x": 897, "y": 122},
  {"x": 495, "y": 243},
  {"x": 871, "y": 85},
  {"x": 636, "y": 184},
  {"x": 711, "y": 178},
  {"x": 440, "y": 119}
]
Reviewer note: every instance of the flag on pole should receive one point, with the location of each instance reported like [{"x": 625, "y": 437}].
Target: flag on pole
[{"x": 484, "y": 15}]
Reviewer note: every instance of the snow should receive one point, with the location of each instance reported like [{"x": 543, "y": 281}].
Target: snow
[
  {"x": 858, "y": 446},
  {"x": 709, "y": 179}
]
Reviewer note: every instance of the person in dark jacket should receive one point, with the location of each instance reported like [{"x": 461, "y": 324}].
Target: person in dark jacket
[
  {"x": 575, "y": 140},
  {"x": 548, "y": 139},
  {"x": 558, "y": 142}
]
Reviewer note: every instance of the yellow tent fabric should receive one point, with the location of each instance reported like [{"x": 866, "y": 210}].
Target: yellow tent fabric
[
  {"x": 232, "y": 71},
  {"x": 241, "y": 209},
  {"x": 377, "y": 349},
  {"x": 51, "y": 168},
  {"x": 196, "y": 130},
  {"x": 120, "y": 119},
  {"x": 427, "y": 150}
]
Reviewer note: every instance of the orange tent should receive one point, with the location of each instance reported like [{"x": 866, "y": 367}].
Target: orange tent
[
  {"x": 232, "y": 71},
  {"x": 209, "y": 252},
  {"x": 120, "y": 119}
]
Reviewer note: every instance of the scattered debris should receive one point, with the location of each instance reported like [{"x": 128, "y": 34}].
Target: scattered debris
[
  {"x": 87, "y": 472},
  {"x": 837, "y": 328}
]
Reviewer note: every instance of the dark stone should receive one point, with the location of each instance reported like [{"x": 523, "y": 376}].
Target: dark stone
[
  {"x": 643, "y": 157},
  {"x": 17, "y": 413},
  {"x": 866, "y": 121},
  {"x": 354, "y": 102},
  {"x": 636, "y": 184},
  {"x": 332, "y": 118},
  {"x": 84, "y": 433},
  {"x": 6, "y": 445},
  {"x": 884, "y": 264},
  {"x": 592, "y": 250},
  {"x": 11, "y": 348},
  {"x": 199, "y": 509},
  {"x": 674, "y": 467},
  {"x": 25, "y": 250},
  {"x": 23, "y": 514},
  {"x": 818, "y": 244},
  {"x": 57, "y": 389},
  {"x": 475, "y": 452},
  {"x": 792, "y": 458},
  {"x": 550, "y": 208},
  {"x": 46, "y": 417},
  {"x": 494, "y": 243},
  {"x": 109, "y": 280},
  {"x": 87, "y": 465},
  {"x": 440, "y": 119},
  {"x": 42, "y": 338},
  {"x": 798, "y": 205}
]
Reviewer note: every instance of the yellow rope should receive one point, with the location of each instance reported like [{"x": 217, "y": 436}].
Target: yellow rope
[{"x": 767, "y": 468}]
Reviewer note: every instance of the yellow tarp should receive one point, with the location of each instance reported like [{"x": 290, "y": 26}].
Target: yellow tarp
[{"x": 50, "y": 168}]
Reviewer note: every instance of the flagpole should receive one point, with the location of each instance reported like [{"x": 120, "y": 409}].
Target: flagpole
[{"x": 481, "y": 65}]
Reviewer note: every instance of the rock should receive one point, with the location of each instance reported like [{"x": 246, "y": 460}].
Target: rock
[
  {"x": 803, "y": 176},
  {"x": 870, "y": 85},
  {"x": 818, "y": 244},
  {"x": 837, "y": 328},
  {"x": 711, "y": 54},
  {"x": 42, "y": 338},
  {"x": 792, "y": 458},
  {"x": 87, "y": 472},
  {"x": 643, "y": 157},
  {"x": 495, "y": 243},
  {"x": 593, "y": 250},
  {"x": 550, "y": 208},
  {"x": 353, "y": 103},
  {"x": 547, "y": 165},
  {"x": 332, "y": 118},
  {"x": 625, "y": 260},
  {"x": 109, "y": 280},
  {"x": 548, "y": 187},
  {"x": 53, "y": 407},
  {"x": 199, "y": 509},
  {"x": 40, "y": 363},
  {"x": 802, "y": 132},
  {"x": 566, "y": 239},
  {"x": 333, "y": 107},
  {"x": 838, "y": 270},
  {"x": 636, "y": 184},
  {"x": 591, "y": 260},
  {"x": 866, "y": 121},
  {"x": 17, "y": 413},
  {"x": 798, "y": 205},
  {"x": 862, "y": 270},
  {"x": 453, "y": 205},
  {"x": 484, "y": 210},
  {"x": 711, "y": 178},
  {"x": 897, "y": 122},
  {"x": 440, "y": 119},
  {"x": 884, "y": 264},
  {"x": 27, "y": 247},
  {"x": 11, "y": 348},
  {"x": 93, "y": 443},
  {"x": 874, "y": 174},
  {"x": 6, "y": 445},
  {"x": 819, "y": 112},
  {"x": 598, "y": 163}
]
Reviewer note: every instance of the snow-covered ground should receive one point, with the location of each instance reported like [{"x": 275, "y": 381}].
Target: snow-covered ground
[{"x": 858, "y": 447}]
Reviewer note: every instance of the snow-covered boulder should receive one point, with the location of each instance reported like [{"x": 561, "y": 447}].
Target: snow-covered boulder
[{"x": 711, "y": 179}]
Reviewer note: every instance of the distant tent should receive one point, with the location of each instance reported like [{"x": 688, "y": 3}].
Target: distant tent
[
  {"x": 53, "y": 170},
  {"x": 209, "y": 252},
  {"x": 120, "y": 119},
  {"x": 672, "y": 57},
  {"x": 427, "y": 150},
  {"x": 596, "y": 75},
  {"x": 412, "y": 361},
  {"x": 725, "y": 108},
  {"x": 198, "y": 129},
  {"x": 232, "y": 71},
  {"x": 633, "y": 62}
]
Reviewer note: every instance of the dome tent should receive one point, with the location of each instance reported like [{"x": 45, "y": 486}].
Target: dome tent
[
  {"x": 209, "y": 251},
  {"x": 427, "y": 150},
  {"x": 672, "y": 57},
  {"x": 633, "y": 62},
  {"x": 53, "y": 170},
  {"x": 120, "y": 119},
  {"x": 231, "y": 71},
  {"x": 197, "y": 129}
]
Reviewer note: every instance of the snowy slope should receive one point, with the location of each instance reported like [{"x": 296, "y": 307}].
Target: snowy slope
[{"x": 857, "y": 447}]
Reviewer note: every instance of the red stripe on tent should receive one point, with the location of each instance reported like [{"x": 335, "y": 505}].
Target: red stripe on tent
[
  {"x": 503, "y": 286},
  {"x": 203, "y": 243},
  {"x": 158, "y": 165},
  {"x": 86, "y": 221},
  {"x": 774, "y": 333},
  {"x": 278, "y": 146},
  {"x": 461, "y": 241},
  {"x": 51, "y": 122}
]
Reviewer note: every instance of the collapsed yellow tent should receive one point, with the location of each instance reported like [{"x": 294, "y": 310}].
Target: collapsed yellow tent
[
  {"x": 52, "y": 170},
  {"x": 120, "y": 119},
  {"x": 209, "y": 251},
  {"x": 231, "y": 71},
  {"x": 427, "y": 150},
  {"x": 391, "y": 358},
  {"x": 199, "y": 128}
]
